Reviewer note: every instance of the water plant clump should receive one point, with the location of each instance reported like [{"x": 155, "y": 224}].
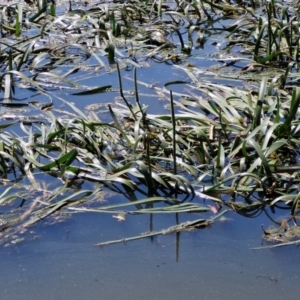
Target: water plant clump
[{"x": 234, "y": 146}]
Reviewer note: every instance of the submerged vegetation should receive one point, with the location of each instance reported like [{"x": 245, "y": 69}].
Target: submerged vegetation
[{"x": 231, "y": 138}]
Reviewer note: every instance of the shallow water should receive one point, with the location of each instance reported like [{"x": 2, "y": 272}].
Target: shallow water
[{"x": 214, "y": 263}]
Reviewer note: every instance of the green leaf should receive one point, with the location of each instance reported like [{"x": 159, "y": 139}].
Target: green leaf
[
  {"x": 65, "y": 159},
  {"x": 97, "y": 90}
]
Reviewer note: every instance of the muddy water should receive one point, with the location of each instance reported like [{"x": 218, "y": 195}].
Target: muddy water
[{"x": 215, "y": 263}]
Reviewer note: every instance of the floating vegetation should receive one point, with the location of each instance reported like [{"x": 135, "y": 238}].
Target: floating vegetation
[
  {"x": 231, "y": 138},
  {"x": 283, "y": 235},
  {"x": 196, "y": 224}
]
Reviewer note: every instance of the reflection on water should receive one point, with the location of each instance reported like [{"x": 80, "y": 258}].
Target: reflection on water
[{"x": 214, "y": 263}]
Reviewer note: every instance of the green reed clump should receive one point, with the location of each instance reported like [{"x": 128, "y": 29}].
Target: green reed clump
[{"x": 235, "y": 146}]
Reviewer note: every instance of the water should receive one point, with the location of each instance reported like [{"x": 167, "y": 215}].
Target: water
[
  {"x": 149, "y": 78},
  {"x": 214, "y": 263}
]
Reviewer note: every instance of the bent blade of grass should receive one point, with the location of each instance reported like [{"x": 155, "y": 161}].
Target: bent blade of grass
[
  {"x": 76, "y": 110},
  {"x": 39, "y": 13},
  {"x": 9, "y": 198},
  {"x": 118, "y": 126},
  {"x": 259, "y": 40},
  {"x": 295, "y": 102},
  {"x": 178, "y": 179},
  {"x": 288, "y": 198},
  {"x": 123, "y": 181},
  {"x": 239, "y": 182},
  {"x": 259, "y": 104},
  {"x": 26, "y": 79},
  {"x": 224, "y": 106},
  {"x": 252, "y": 135},
  {"x": 295, "y": 205},
  {"x": 14, "y": 160},
  {"x": 101, "y": 62},
  {"x": 189, "y": 168},
  {"x": 26, "y": 54},
  {"x": 262, "y": 157},
  {"x": 36, "y": 63},
  {"x": 149, "y": 200},
  {"x": 30, "y": 177},
  {"x": 275, "y": 146},
  {"x": 137, "y": 137},
  {"x": 93, "y": 91},
  {"x": 222, "y": 185},
  {"x": 160, "y": 180},
  {"x": 70, "y": 157},
  {"x": 53, "y": 207},
  {"x": 4, "y": 198},
  {"x": 175, "y": 209},
  {"x": 65, "y": 159},
  {"x": 108, "y": 179},
  {"x": 146, "y": 171}
]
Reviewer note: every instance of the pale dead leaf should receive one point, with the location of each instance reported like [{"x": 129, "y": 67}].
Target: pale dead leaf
[
  {"x": 213, "y": 208},
  {"x": 119, "y": 217}
]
